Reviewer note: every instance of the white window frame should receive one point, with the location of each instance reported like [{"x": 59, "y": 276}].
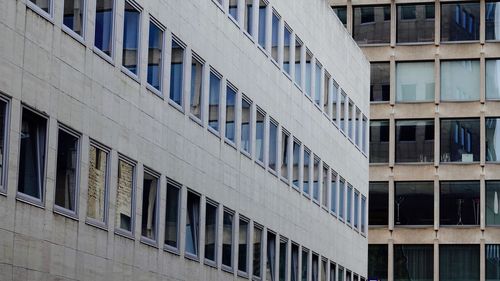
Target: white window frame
[
  {"x": 240, "y": 123},
  {"x": 70, "y": 31},
  {"x": 174, "y": 184},
  {"x": 6, "y": 140},
  {"x": 48, "y": 16},
  {"x": 119, "y": 231},
  {"x": 109, "y": 58},
  {"x": 144, "y": 239},
  {"x": 162, "y": 28},
  {"x": 225, "y": 267},
  {"x": 216, "y": 205},
  {"x": 179, "y": 42}
]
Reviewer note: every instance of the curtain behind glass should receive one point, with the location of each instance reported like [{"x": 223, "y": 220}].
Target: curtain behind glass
[
  {"x": 459, "y": 262},
  {"x": 492, "y": 262},
  {"x": 413, "y": 262},
  {"x": 493, "y": 76},
  {"x": 460, "y": 80}
]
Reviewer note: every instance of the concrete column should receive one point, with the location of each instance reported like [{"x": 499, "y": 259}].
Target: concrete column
[
  {"x": 482, "y": 22},
  {"x": 393, "y": 23},
  {"x": 391, "y": 203},
  {"x": 349, "y": 16},
  {"x": 482, "y": 202},
  {"x": 436, "y": 203},
  {"x": 437, "y": 27},
  {"x": 436, "y": 259},
  {"x": 482, "y": 260},
  {"x": 482, "y": 79},
  {"x": 392, "y": 140},
  {"x": 390, "y": 260}
]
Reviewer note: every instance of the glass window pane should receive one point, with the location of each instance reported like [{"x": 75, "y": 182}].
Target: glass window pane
[
  {"x": 282, "y": 260},
  {"x": 233, "y": 9},
  {"x": 356, "y": 210},
  {"x": 377, "y": 262},
  {"x": 243, "y": 246},
  {"x": 176, "y": 73},
  {"x": 323, "y": 269},
  {"x": 350, "y": 120},
  {"x": 378, "y": 208},
  {"x": 460, "y": 140},
  {"x": 192, "y": 224},
  {"x": 459, "y": 203},
  {"x": 460, "y": 80},
  {"x": 172, "y": 216},
  {"x": 414, "y": 141},
  {"x": 363, "y": 214},
  {"x": 342, "y": 188},
  {"x": 273, "y": 145},
  {"x": 230, "y": 114},
  {"x": 131, "y": 25},
  {"x": 460, "y": 21},
  {"x": 74, "y": 15},
  {"x": 343, "y": 109},
  {"x": 213, "y": 101},
  {"x": 211, "y": 232},
  {"x": 492, "y": 253},
  {"x": 262, "y": 23},
  {"x": 287, "y": 51},
  {"x": 284, "y": 154},
  {"x": 275, "y": 26},
  {"x": 333, "y": 193},
  {"x": 335, "y": 103},
  {"x": 493, "y": 77},
  {"x": 492, "y": 20},
  {"x": 415, "y": 82},
  {"x": 155, "y": 56},
  {"x": 326, "y": 94},
  {"x": 349, "y": 204},
  {"x": 413, "y": 23},
  {"x": 309, "y": 74},
  {"x": 492, "y": 136},
  {"x": 492, "y": 192},
  {"x": 67, "y": 171},
  {"x": 271, "y": 256},
  {"x": 316, "y": 186},
  {"x": 248, "y": 14},
  {"x": 413, "y": 262},
  {"x": 259, "y": 137},
  {"x": 333, "y": 272},
  {"x": 305, "y": 265},
  {"x": 124, "y": 218},
  {"x": 245, "y": 124},
  {"x": 32, "y": 154},
  {"x": 315, "y": 269},
  {"x": 196, "y": 87},
  {"x": 379, "y": 81},
  {"x": 227, "y": 239},
  {"x": 458, "y": 262},
  {"x": 103, "y": 39},
  {"x": 45, "y": 5},
  {"x": 149, "y": 206},
  {"x": 3, "y": 142},
  {"x": 341, "y": 12},
  {"x": 306, "y": 170},
  {"x": 97, "y": 184},
  {"x": 372, "y": 24},
  {"x": 324, "y": 186},
  {"x": 296, "y": 164},
  {"x": 257, "y": 251},
  {"x": 411, "y": 196},
  {"x": 317, "y": 84},
  {"x": 294, "y": 265},
  {"x": 298, "y": 62},
  {"x": 379, "y": 141}
]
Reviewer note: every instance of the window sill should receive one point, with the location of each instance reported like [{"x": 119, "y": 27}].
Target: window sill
[
  {"x": 333, "y": 213},
  {"x": 414, "y": 163},
  {"x": 213, "y": 131},
  {"x": 170, "y": 249},
  {"x": 249, "y": 36},
  {"x": 460, "y": 226},
  {"x": 402, "y": 226},
  {"x": 176, "y": 105},
  {"x": 48, "y": 16},
  {"x": 227, "y": 269},
  {"x": 298, "y": 86},
  {"x": 315, "y": 201},
  {"x": 424, "y": 43},
  {"x": 263, "y": 50},
  {"x": 242, "y": 274},
  {"x": 287, "y": 75},
  {"x": 256, "y": 278},
  {"x": 149, "y": 242},
  {"x": 307, "y": 196},
  {"x": 235, "y": 21},
  {"x": 230, "y": 143},
  {"x": 154, "y": 90},
  {"x": 275, "y": 63},
  {"x": 458, "y": 42},
  {"x": 65, "y": 213},
  {"x": 261, "y": 164},
  {"x": 325, "y": 208},
  {"x": 285, "y": 180},
  {"x": 3, "y": 192},
  {"x": 130, "y": 74},
  {"x": 218, "y": 5},
  {"x": 416, "y": 102},
  {"x": 73, "y": 34},
  {"x": 317, "y": 106},
  {"x": 35, "y": 202},
  {"x": 124, "y": 234},
  {"x": 103, "y": 56},
  {"x": 385, "y": 44},
  {"x": 296, "y": 188},
  {"x": 460, "y": 163},
  {"x": 96, "y": 224},
  {"x": 379, "y": 164},
  {"x": 327, "y": 116},
  {"x": 191, "y": 257},
  {"x": 247, "y": 154},
  {"x": 380, "y": 102},
  {"x": 196, "y": 119},
  {"x": 210, "y": 263},
  {"x": 272, "y": 172}
]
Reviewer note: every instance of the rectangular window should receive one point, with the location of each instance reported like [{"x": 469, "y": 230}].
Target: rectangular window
[
  {"x": 492, "y": 20},
  {"x": 343, "y": 109},
  {"x": 259, "y": 136},
  {"x": 275, "y": 27},
  {"x": 348, "y": 275},
  {"x": 460, "y": 140},
  {"x": 333, "y": 272},
  {"x": 248, "y": 14},
  {"x": 4, "y": 112},
  {"x": 461, "y": 28},
  {"x": 323, "y": 269},
  {"x": 306, "y": 171},
  {"x": 493, "y": 74},
  {"x": 131, "y": 37},
  {"x": 492, "y": 213},
  {"x": 227, "y": 239},
  {"x": 324, "y": 186},
  {"x": 285, "y": 137},
  {"x": 246, "y": 107},
  {"x": 211, "y": 211},
  {"x": 411, "y": 196},
  {"x": 326, "y": 94},
  {"x": 273, "y": 145},
  {"x": 413, "y": 262},
  {"x": 283, "y": 256},
  {"x": 214, "y": 100},
  {"x": 177, "y": 72},
  {"x": 155, "y": 56},
  {"x": 349, "y": 204},
  {"x": 492, "y": 253},
  {"x": 379, "y": 141},
  {"x": 308, "y": 73},
  {"x": 103, "y": 36},
  {"x": 341, "y": 198},
  {"x": 379, "y": 82},
  {"x": 243, "y": 245},
  {"x": 262, "y": 23},
  {"x": 379, "y": 203},
  {"x": 74, "y": 16},
  {"x": 196, "y": 99},
  {"x": 356, "y": 210},
  {"x": 44, "y": 5},
  {"x": 294, "y": 264},
  {"x": 414, "y": 141},
  {"x": 363, "y": 214},
  {"x": 372, "y": 24},
  {"x": 335, "y": 111},
  {"x": 233, "y": 9},
  {"x": 257, "y": 252},
  {"x": 150, "y": 189},
  {"x": 317, "y": 84},
  {"x": 316, "y": 184},
  {"x": 341, "y": 274},
  {"x": 315, "y": 267},
  {"x": 32, "y": 155},
  {"x": 97, "y": 196},
  {"x": 192, "y": 224},
  {"x": 305, "y": 264},
  {"x": 413, "y": 25},
  {"x": 333, "y": 193},
  {"x": 231, "y": 113},
  {"x": 459, "y": 262},
  {"x": 364, "y": 133},
  {"x": 459, "y": 203},
  {"x": 172, "y": 212},
  {"x": 378, "y": 255},
  {"x": 460, "y": 80},
  {"x": 296, "y": 164},
  {"x": 298, "y": 61},
  {"x": 415, "y": 81},
  {"x": 287, "y": 51},
  {"x": 357, "y": 127},
  {"x": 67, "y": 174},
  {"x": 271, "y": 256},
  {"x": 125, "y": 196},
  {"x": 341, "y": 12},
  {"x": 350, "y": 120}
]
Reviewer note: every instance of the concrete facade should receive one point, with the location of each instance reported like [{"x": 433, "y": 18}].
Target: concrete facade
[{"x": 65, "y": 78}]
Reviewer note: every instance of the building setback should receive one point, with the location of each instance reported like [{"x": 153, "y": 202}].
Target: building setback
[
  {"x": 434, "y": 177},
  {"x": 181, "y": 140}
]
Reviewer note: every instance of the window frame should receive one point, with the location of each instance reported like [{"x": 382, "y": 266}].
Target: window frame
[
  {"x": 119, "y": 231},
  {"x": 181, "y": 44},
  {"x": 6, "y": 140},
  {"x": 216, "y": 132},
  {"x": 206, "y": 260},
  {"x": 174, "y": 184},
  {"x": 231, "y": 86},
  {"x": 277, "y": 153},
  {"x": 187, "y": 254},
  {"x": 297, "y": 187},
  {"x": 285, "y": 178},
  {"x": 71, "y": 32},
  {"x": 161, "y": 27},
  {"x": 144, "y": 239},
  {"x": 46, "y": 15},
  {"x": 202, "y": 62},
  {"x": 250, "y": 122},
  {"x": 111, "y": 57},
  {"x": 333, "y": 204},
  {"x": 258, "y": 111},
  {"x": 261, "y": 252},
  {"x": 226, "y": 267},
  {"x": 247, "y": 257},
  {"x": 134, "y": 76}
]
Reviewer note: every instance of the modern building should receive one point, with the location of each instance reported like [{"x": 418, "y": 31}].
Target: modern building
[
  {"x": 181, "y": 140},
  {"x": 434, "y": 173}
]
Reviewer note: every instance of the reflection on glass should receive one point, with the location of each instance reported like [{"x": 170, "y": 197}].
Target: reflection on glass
[
  {"x": 342, "y": 188},
  {"x": 492, "y": 253},
  {"x": 492, "y": 139},
  {"x": 341, "y": 12},
  {"x": 492, "y": 193},
  {"x": 275, "y": 25},
  {"x": 155, "y": 54},
  {"x": 460, "y": 140},
  {"x": 233, "y": 9},
  {"x": 298, "y": 62},
  {"x": 230, "y": 113},
  {"x": 316, "y": 178},
  {"x": 377, "y": 262},
  {"x": 414, "y": 141},
  {"x": 349, "y": 204},
  {"x": 460, "y": 21},
  {"x": 192, "y": 224},
  {"x": 379, "y": 141},
  {"x": 284, "y": 154},
  {"x": 460, "y": 80},
  {"x": 492, "y": 20},
  {"x": 415, "y": 82},
  {"x": 273, "y": 145},
  {"x": 196, "y": 87},
  {"x": 45, "y": 5},
  {"x": 415, "y": 23},
  {"x": 372, "y": 24},
  {"x": 103, "y": 39},
  {"x": 243, "y": 246},
  {"x": 66, "y": 174},
  {"x": 379, "y": 81},
  {"x": 257, "y": 252},
  {"x": 259, "y": 136},
  {"x": 149, "y": 206},
  {"x": 96, "y": 197},
  {"x": 271, "y": 257},
  {"x": 459, "y": 203},
  {"x": 176, "y": 72},
  {"x": 296, "y": 164},
  {"x": 317, "y": 84},
  {"x": 411, "y": 196},
  {"x": 172, "y": 216},
  {"x": 211, "y": 232},
  {"x": 378, "y": 209},
  {"x": 213, "y": 101},
  {"x": 262, "y": 23},
  {"x": 305, "y": 264},
  {"x": 308, "y": 74},
  {"x": 287, "y": 51},
  {"x": 124, "y": 217},
  {"x": 294, "y": 265},
  {"x": 130, "y": 55},
  {"x": 248, "y": 14},
  {"x": 333, "y": 193},
  {"x": 458, "y": 262},
  {"x": 282, "y": 261},
  {"x": 74, "y": 15},
  {"x": 493, "y": 79},
  {"x": 413, "y": 262},
  {"x": 307, "y": 166},
  {"x": 227, "y": 239},
  {"x": 245, "y": 125}
]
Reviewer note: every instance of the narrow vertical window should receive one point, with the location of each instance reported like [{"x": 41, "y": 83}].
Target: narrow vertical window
[
  {"x": 74, "y": 16},
  {"x": 298, "y": 62},
  {"x": 315, "y": 267},
  {"x": 296, "y": 164},
  {"x": 309, "y": 73},
  {"x": 333, "y": 272},
  {"x": 3, "y": 142},
  {"x": 275, "y": 26},
  {"x": 125, "y": 194},
  {"x": 150, "y": 189},
  {"x": 333, "y": 193},
  {"x": 103, "y": 37},
  {"x": 342, "y": 198},
  {"x": 317, "y": 84},
  {"x": 262, "y": 23},
  {"x": 192, "y": 224},
  {"x": 323, "y": 269},
  {"x": 248, "y": 14},
  {"x": 324, "y": 186},
  {"x": 305, "y": 264},
  {"x": 356, "y": 210},
  {"x": 364, "y": 143},
  {"x": 341, "y": 274},
  {"x": 343, "y": 99},
  {"x": 282, "y": 258},
  {"x": 257, "y": 252},
  {"x": 243, "y": 246},
  {"x": 230, "y": 114},
  {"x": 227, "y": 239},
  {"x": 211, "y": 211},
  {"x": 335, "y": 102},
  {"x": 273, "y": 145},
  {"x": 306, "y": 171},
  {"x": 294, "y": 263},
  {"x": 316, "y": 178},
  {"x": 176, "y": 72},
  {"x": 358, "y": 128},
  {"x": 287, "y": 43},
  {"x": 285, "y": 137},
  {"x": 259, "y": 136},
  {"x": 246, "y": 106},
  {"x": 68, "y": 146},
  {"x": 172, "y": 216},
  {"x": 32, "y": 155},
  {"x": 196, "y": 87},
  {"x": 98, "y": 184},
  {"x": 44, "y": 5},
  {"x": 131, "y": 37},
  {"x": 363, "y": 214},
  {"x": 155, "y": 56},
  {"x": 350, "y": 121},
  {"x": 233, "y": 9},
  {"x": 213, "y": 101},
  {"x": 349, "y": 204},
  {"x": 326, "y": 94},
  {"x": 271, "y": 256}
]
